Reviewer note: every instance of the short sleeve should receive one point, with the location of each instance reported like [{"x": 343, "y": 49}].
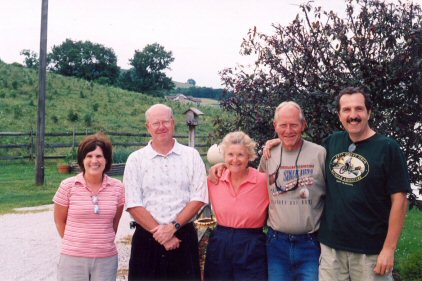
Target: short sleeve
[
  {"x": 132, "y": 181},
  {"x": 62, "y": 194},
  {"x": 198, "y": 187},
  {"x": 398, "y": 175}
]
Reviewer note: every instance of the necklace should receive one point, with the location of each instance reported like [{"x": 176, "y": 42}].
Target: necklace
[{"x": 94, "y": 194}]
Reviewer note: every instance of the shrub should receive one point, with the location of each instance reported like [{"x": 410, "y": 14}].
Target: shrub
[
  {"x": 17, "y": 112},
  {"x": 55, "y": 119},
  {"x": 121, "y": 155},
  {"x": 411, "y": 268},
  {"x": 72, "y": 116},
  {"x": 88, "y": 118},
  {"x": 95, "y": 106}
]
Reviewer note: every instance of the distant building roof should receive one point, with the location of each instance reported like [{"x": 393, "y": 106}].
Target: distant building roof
[{"x": 182, "y": 98}]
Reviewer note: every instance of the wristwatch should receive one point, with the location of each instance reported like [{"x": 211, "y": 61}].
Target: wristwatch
[{"x": 176, "y": 225}]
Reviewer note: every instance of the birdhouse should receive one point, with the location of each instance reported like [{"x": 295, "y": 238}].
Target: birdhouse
[{"x": 192, "y": 116}]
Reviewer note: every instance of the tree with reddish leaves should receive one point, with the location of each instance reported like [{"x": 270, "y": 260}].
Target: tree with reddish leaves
[{"x": 376, "y": 45}]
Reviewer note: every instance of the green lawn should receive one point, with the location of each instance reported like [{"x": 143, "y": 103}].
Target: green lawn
[
  {"x": 17, "y": 185},
  {"x": 411, "y": 238}
]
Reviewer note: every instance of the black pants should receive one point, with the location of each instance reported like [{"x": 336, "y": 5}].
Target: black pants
[{"x": 149, "y": 260}]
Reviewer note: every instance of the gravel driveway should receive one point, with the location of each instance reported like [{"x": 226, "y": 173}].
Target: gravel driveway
[{"x": 30, "y": 245}]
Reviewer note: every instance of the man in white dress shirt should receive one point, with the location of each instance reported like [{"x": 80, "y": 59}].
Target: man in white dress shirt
[{"x": 165, "y": 186}]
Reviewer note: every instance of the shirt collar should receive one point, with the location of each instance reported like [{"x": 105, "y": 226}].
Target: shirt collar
[
  {"x": 80, "y": 180},
  {"x": 252, "y": 176},
  {"x": 151, "y": 153}
]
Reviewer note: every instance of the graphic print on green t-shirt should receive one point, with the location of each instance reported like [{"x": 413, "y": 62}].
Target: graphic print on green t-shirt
[{"x": 348, "y": 167}]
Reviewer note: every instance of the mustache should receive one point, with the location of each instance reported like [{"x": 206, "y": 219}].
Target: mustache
[{"x": 357, "y": 119}]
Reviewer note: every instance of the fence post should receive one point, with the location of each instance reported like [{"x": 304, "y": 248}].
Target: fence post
[
  {"x": 31, "y": 146},
  {"x": 73, "y": 139}
]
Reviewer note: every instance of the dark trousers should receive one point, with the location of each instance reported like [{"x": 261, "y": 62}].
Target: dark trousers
[
  {"x": 149, "y": 260},
  {"x": 236, "y": 254}
]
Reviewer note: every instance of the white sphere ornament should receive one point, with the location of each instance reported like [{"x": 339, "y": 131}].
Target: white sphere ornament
[{"x": 215, "y": 155}]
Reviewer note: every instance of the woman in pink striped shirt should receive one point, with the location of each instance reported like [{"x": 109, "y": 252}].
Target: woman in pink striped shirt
[
  {"x": 236, "y": 249},
  {"x": 87, "y": 211}
]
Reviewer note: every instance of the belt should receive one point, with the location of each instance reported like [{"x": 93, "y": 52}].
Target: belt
[
  {"x": 246, "y": 230},
  {"x": 288, "y": 235}
]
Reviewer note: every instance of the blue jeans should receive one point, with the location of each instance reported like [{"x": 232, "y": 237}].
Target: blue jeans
[{"x": 292, "y": 257}]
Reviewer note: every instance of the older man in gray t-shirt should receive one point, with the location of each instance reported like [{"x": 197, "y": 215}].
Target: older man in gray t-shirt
[{"x": 297, "y": 187}]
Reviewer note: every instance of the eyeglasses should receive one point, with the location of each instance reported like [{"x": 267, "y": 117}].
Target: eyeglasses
[
  {"x": 165, "y": 123},
  {"x": 352, "y": 147},
  {"x": 288, "y": 187},
  {"x": 95, "y": 202}
]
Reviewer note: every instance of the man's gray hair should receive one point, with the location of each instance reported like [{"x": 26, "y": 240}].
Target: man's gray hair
[{"x": 291, "y": 103}]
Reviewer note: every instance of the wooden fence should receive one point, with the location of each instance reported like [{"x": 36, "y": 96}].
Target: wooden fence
[{"x": 21, "y": 145}]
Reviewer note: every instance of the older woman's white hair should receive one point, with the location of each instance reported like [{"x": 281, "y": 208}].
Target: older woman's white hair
[{"x": 240, "y": 138}]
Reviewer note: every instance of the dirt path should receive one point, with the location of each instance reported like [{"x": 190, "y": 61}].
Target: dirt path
[{"x": 30, "y": 245}]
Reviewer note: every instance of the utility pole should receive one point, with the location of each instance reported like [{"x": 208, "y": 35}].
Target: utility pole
[{"x": 41, "y": 95}]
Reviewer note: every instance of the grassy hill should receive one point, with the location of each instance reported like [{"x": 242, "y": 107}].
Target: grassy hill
[
  {"x": 182, "y": 85},
  {"x": 76, "y": 103}
]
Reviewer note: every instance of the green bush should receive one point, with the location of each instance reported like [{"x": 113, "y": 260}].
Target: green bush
[
  {"x": 88, "y": 119},
  {"x": 72, "y": 116},
  {"x": 121, "y": 155},
  {"x": 411, "y": 268},
  {"x": 55, "y": 119},
  {"x": 17, "y": 112}
]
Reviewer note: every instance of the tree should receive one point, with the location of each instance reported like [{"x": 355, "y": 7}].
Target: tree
[
  {"x": 377, "y": 45},
  {"x": 191, "y": 82},
  {"x": 31, "y": 59},
  {"x": 147, "y": 75},
  {"x": 85, "y": 60}
]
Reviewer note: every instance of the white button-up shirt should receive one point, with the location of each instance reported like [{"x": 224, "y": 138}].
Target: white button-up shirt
[{"x": 165, "y": 184}]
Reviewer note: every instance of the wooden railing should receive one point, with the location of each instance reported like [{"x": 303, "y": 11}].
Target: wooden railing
[{"x": 21, "y": 145}]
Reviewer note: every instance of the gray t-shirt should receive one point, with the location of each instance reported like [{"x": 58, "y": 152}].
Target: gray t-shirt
[{"x": 297, "y": 211}]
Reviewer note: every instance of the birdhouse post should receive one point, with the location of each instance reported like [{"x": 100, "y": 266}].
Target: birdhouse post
[{"x": 192, "y": 116}]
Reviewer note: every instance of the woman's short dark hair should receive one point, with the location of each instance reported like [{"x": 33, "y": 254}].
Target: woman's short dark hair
[
  {"x": 90, "y": 143},
  {"x": 351, "y": 91}
]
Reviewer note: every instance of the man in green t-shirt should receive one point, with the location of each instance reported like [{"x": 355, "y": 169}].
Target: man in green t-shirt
[{"x": 366, "y": 203}]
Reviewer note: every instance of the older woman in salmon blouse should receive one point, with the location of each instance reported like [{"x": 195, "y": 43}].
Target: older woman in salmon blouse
[{"x": 236, "y": 249}]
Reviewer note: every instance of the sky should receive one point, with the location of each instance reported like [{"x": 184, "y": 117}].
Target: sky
[{"x": 204, "y": 36}]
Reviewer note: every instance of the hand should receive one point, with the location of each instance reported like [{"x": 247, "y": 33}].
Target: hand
[
  {"x": 268, "y": 146},
  {"x": 385, "y": 262},
  {"x": 216, "y": 171},
  {"x": 163, "y": 233},
  {"x": 172, "y": 244}
]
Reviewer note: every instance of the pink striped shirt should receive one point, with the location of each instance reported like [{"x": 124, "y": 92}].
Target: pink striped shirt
[
  {"x": 88, "y": 234},
  {"x": 247, "y": 208}
]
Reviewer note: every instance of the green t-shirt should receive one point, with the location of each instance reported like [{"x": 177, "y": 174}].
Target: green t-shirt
[{"x": 359, "y": 185}]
